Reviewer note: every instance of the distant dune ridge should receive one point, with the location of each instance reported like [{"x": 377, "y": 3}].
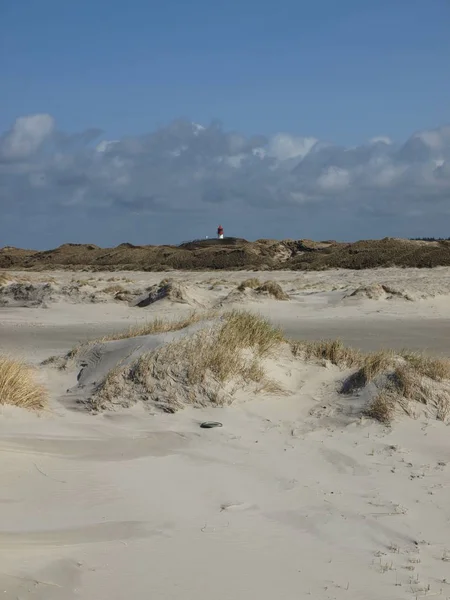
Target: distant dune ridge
[{"x": 234, "y": 253}]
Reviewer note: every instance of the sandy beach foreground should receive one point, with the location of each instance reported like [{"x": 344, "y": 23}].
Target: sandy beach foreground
[{"x": 300, "y": 494}]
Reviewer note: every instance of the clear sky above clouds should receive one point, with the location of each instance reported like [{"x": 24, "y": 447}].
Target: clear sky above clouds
[{"x": 320, "y": 118}]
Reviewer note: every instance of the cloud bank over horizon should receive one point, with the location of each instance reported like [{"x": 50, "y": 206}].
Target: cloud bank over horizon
[{"x": 174, "y": 181}]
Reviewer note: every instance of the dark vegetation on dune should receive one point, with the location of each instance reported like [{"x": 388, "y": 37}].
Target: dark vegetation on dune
[{"x": 234, "y": 254}]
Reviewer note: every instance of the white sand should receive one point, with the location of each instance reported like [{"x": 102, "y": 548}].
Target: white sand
[{"x": 290, "y": 499}]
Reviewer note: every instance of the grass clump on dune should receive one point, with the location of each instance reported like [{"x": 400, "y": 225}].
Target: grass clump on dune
[
  {"x": 272, "y": 288},
  {"x": 206, "y": 368},
  {"x": 251, "y": 283},
  {"x": 405, "y": 381},
  {"x": 434, "y": 368},
  {"x": 382, "y": 408},
  {"x": 18, "y": 385},
  {"x": 332, "y": 350}
]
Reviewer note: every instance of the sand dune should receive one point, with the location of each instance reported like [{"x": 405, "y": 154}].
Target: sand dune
[
  {"x": 235, "y": 253},
  {"x": 329, "y": 477},
  {"x": 253, "y": 290},
  {"x": 172, "y": 291},
  {"x": 28, "y": 294},
  {"x": 380, "y": 291}
]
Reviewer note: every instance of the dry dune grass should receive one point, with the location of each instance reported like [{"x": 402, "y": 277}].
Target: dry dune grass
[
  {"x": 332, "y": 350},
  {"x": 405, "y": 380},
  {"x": 159, "y": 325},
  {"x": 4, "y": 279},
  {"x": 203, "y": 369},
  {"x": 251, "y": 283},
  {"x": 370, "y": 366},
  {"x": 382, "y": 408},
  {"x": 272, "y": 288},
  {"x": 434, "y": 368},
  {"x": 153, "y": 327},
  {"x": 18, "y": 385}
]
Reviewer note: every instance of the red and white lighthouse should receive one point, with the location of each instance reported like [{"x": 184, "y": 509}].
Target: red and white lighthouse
[{"x": 220, "y": 232}]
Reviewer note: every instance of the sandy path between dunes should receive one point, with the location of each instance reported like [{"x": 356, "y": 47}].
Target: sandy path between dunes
[
  {"x": 429, "y": 335},
  {"x": 285, "y": 501}
]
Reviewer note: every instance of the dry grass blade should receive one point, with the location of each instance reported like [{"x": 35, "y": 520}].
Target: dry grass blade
[
  {"x": 375, "y": 363},
  {"x": 371, "y": 365},
  {"x": 158, "y": 325},
  {"x": 242, "y": 329},
  {"x": 331, "y": 350},
  {"x": 382, "y": 407},
  {"x": 442, "y": 403},
  {"x": 434, "y": 368},
  {"x": 410, "y": 384},
  {"x": 18, "y": 385}
]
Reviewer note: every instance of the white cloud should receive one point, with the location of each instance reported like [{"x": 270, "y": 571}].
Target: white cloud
[
  {"x": 184, "y": 167},
  {"x": 383, "y": 139},
  {"x": 197, "y": 128},
  {"x": 388, "y": 175},
  {"x": 430, "y": 138},
  {"x": 106, "y": 145},
  {"x": 26, "y": 136},
  {"x": 235, "y": 160},
  {"x": 334, "y": 179},
  {"x": 284, "y": 146}
]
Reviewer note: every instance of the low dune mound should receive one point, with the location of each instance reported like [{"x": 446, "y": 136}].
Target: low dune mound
[
  {"x": 272, "y": 289},
  {"x": 123, "y": 293},
  {"x": 237, "y": 354},
  {"x": 252, "y": 290},
  {"x": 19, "y": 385},
  {"x": 405, "y": 384},
  {"x": 204, "y": 368},
  {"x": 30, "y": 295},
  {"x": 383, "y": 385},
  {"x": 379, "y": 291},
  {"x": 171, "y": 291}
]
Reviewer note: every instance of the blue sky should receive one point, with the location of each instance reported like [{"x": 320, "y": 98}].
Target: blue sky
[{"x": 341, "y": 72}]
